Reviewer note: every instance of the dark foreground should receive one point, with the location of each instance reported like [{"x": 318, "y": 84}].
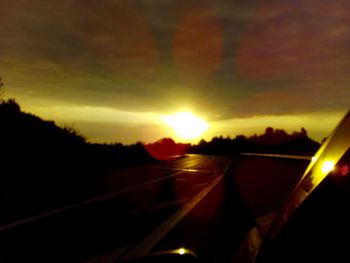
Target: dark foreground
[{"x": 212, "y": 201}]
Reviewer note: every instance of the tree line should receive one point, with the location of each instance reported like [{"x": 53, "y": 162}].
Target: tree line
[
  {"x": 40, "y": 156},
  {"x": 271, "y": 141}
]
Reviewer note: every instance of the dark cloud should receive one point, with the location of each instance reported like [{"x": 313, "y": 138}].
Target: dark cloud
[{"x": 223, "y": 58}]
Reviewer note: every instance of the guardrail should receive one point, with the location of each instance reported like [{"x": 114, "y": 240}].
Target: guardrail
[{"x": 284, "y": 156}]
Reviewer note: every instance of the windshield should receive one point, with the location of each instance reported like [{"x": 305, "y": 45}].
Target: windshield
[{"x": 130, "y": 128}]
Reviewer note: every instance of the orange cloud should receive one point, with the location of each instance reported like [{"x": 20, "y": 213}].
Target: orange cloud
[
  {"x": 198, "y": 45},
  {"x": 305, "y": 40},
  {"x": 119, "y": 39}
]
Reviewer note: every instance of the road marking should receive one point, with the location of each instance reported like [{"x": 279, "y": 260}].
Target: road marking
[
  {"x": 183, "y": 169},
  {"x": 96, "y": 199},
  {"x": 151, "y": 240},
  {"x": 195, "y": 163},
  {"x": 200, "y": 185},
  {"x": 192, "y": 163},
  {"x": 150, "y": 209},
  {"x": 84, "y": 203},
  {"x": 297, "y": 157}
]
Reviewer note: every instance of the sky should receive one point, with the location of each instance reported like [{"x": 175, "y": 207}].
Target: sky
[{"x": 113, "y": 69}]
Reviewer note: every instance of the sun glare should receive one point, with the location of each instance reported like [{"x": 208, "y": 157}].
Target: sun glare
[
  {"x": 327, "y": 167},
  {"x": 186, "y": 125}
]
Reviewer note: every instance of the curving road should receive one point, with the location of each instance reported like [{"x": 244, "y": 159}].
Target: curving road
[
  {"x": 203, "y": 203},
  {"x": 131, "y": 205}
]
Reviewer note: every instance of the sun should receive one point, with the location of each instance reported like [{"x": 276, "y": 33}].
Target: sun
[{"x": 186, "y": 125}]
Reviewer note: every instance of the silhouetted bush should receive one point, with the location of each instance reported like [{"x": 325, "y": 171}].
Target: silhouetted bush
[
  {"x": 38, "y": 155},
  {"x": 272, "y": 141}
]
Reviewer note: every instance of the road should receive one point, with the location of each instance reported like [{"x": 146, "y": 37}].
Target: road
[
  {"x": 253, "y": 186},
  {"x": 131, "y": 204},
  {"x": 203, "y": 203}
]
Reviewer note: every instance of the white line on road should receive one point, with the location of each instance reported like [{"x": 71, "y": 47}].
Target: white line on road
[
  {"x": 151, "y": 240},
  {"x": 84, "y": 203},
  {"x": 183, "y": 169},
  {"x": 298, "y": 157}
]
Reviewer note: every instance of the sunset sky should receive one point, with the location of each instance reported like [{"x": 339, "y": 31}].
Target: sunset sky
[{"x": 115, "y": 69}]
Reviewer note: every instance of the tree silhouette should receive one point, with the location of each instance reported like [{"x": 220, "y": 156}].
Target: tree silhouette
[
  {"x": 272, "y": 141},
  {"x": 1, "y": 90}
]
